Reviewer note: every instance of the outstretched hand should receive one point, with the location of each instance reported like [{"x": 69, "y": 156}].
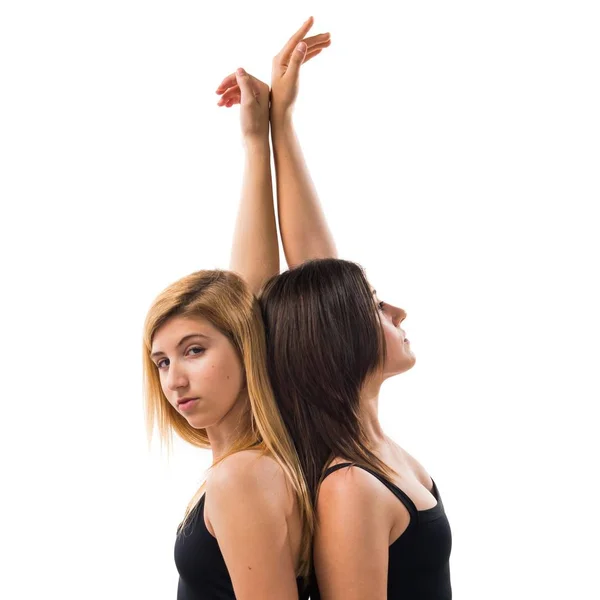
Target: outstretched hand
[
  {"x": 285, "y": 73},
  {"x": 285, "y": 70}
]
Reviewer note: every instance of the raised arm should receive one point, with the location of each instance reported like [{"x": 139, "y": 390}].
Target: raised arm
[
  {"x": 255, "y": 251},
  {"x": 304, "y": 230}
]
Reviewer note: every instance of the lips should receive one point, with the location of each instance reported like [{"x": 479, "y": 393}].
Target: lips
[{"x": 184, "y": 401}]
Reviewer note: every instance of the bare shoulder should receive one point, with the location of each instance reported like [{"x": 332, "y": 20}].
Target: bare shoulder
[
  {"x": 347, "y": 490},
  {"x": 352, "y": 535},
  {"x": 252, "y": 475},
  {"x": 247, "y": 468},
  {"x": 247, "y": 515}
]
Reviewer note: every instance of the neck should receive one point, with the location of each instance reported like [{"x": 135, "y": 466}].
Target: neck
[
  {"x": 223, "y": 434},
  {"x": 369, "y": 413}
]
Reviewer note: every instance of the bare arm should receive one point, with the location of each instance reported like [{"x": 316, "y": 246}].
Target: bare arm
[
  {"x": 246, "y": 501},
  {"x": 304, "y": 230},
  {"x": 351, "y": 543},
  {"x": 302, "y": 223},
  {"x": 254, "y": 251}
]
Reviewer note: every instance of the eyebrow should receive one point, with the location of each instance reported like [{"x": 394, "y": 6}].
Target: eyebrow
[{"x": 181, "y": 341}]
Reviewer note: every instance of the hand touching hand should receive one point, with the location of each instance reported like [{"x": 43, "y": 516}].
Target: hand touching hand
[
  {"x": 253, "y": 96},
  {"x": 285, "y": 71}
]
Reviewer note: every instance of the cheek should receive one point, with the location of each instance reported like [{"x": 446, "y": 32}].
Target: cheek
[
  {"x": 221, "y": 375},
  {"x": 395, "y": 351},
  {"x": 165, "y": 388},
  {"x": 393, "y": 340}
]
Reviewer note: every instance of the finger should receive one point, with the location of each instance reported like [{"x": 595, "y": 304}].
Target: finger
[
  {"x": 232, "y": 91},
  {"x": 224, "y": 101},
  {"x": 233, "y": 85},
  {"x": 296, "y": 59},
  {"x": 312, "y": 55},
  {"x": 254, "y": 83},
  {"x": 297, "y": 37},
  {"x": 243, "y": 80},
  {"x": 227, "y": 83},
  {"x": 248, "y": 87},
  {"x": 316, "y": 39},
  {"x": 235, "y": 92},
  {"x": 318, "y": 45},
  {"x": 230, "y": 81}
]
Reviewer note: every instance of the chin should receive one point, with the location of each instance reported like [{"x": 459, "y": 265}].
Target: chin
[
  {"x": 199, "y": 421},
  {"x": 197, "y": 424},
  {"x": 405, "y": 365},
  {"x": 202, "y": 421}
]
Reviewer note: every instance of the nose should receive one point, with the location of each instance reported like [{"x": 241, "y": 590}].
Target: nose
[
  {"x": 398, "y": 315},
  {"x": 176, "y": 377}
]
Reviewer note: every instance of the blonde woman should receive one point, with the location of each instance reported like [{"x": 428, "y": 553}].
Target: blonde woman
[{"x": 246, "y": 534}]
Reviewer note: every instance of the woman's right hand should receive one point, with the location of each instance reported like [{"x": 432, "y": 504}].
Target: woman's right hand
[
  {"x": 285, "y": 73},
  {"x": 253, "y": 96}
]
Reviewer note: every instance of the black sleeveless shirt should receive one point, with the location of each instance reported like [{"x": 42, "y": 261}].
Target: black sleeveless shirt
[
  {"x": 418, "y": 567},
  {"x": 203, "y": 574}
]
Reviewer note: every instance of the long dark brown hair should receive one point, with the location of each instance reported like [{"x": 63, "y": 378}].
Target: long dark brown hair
[{"x": 324, "y": 338}]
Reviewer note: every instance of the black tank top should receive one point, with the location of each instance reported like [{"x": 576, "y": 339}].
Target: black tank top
[
  {"x": 203, "y": 574},
  {"x": 418, "y": 567}
]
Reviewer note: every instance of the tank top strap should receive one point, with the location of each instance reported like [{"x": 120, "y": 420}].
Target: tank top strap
[
  {"x": 336, "y": 467},
  {"x": 408, "y": 503}
]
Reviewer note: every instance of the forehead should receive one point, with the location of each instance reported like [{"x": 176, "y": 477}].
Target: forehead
[
  {"x": 175, "y": 328},
  {"x": 372, "y": 288}
]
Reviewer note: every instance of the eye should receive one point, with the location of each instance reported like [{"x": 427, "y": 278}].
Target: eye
[
  {"x": 198, "y": 348},
  {"x": 381, "y": 305}
]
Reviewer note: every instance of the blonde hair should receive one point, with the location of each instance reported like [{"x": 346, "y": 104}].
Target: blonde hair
[{"x": 223, "y": 299}]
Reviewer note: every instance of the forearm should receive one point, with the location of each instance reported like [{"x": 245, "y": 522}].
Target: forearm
[
  {"x": 255, "y": 251},
  {"x": 302, "y": 223}
]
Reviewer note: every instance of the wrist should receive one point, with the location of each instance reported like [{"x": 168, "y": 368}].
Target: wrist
[
  {"x": 280, "y": 118},
  {"x": 257, "y": 143}
]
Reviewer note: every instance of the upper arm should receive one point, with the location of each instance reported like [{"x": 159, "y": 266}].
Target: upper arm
[
  {"x": 255, "y": 246},
  {"x": 351, "y": 542},
  {"x": 254, "y": 281},
  {"x": 248, "y": 514}
]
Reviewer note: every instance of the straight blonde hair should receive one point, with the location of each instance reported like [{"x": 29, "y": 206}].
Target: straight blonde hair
[{"x": 223, "y": 299}]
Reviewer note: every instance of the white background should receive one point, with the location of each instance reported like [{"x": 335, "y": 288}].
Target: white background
[{"x": 455, "y": 147}]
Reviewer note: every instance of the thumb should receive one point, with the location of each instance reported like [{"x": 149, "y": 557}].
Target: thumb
[
  {"x": 243, "y": 80},
  {"x": 296, "y": 59}
]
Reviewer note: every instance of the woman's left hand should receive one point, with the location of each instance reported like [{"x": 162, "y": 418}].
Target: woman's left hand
[{"x": 253, "y": 96}]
